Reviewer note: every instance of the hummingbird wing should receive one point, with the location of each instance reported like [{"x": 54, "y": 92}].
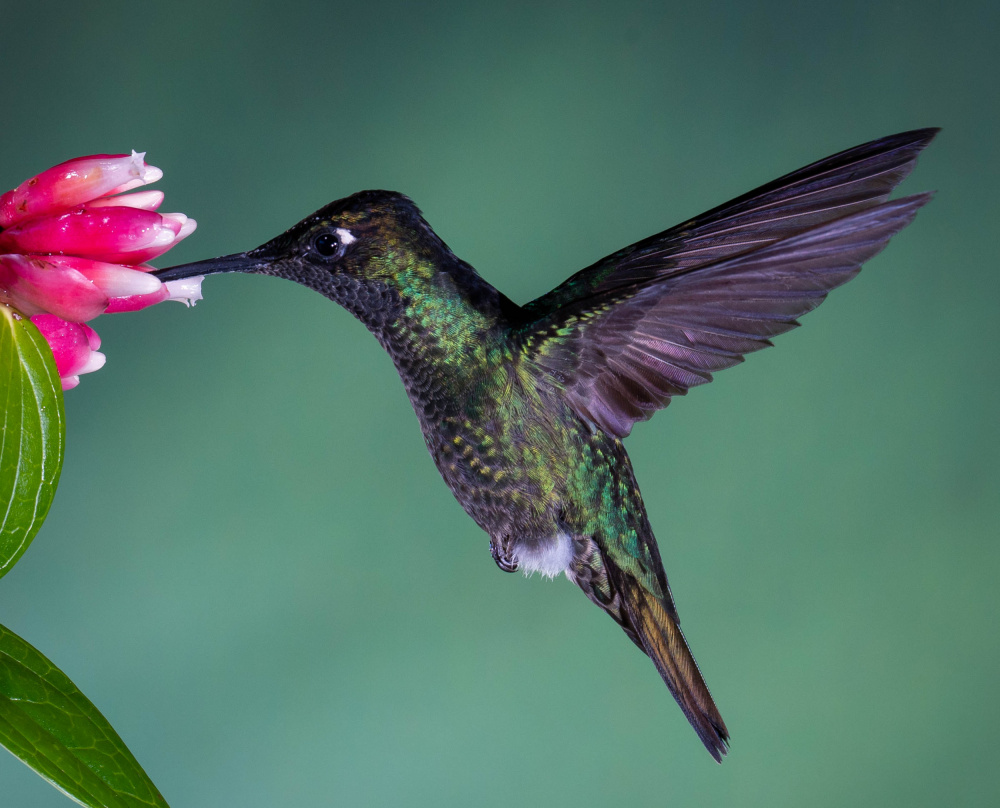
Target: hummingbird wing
[{"x": 659, "y": 317}]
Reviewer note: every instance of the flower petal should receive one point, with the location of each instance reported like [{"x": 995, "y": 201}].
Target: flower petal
[
  {"x": 94, "y": 362},
  {"x": 36, "y": 284},
  {"x": 71, "y": 343},
  {"x": 73, "y": 183},
  {"x": 93, "y": 340},
  {"x": 145, "y": 200},
  {"x": 118, "y": 281},
  {"x": 137, "y": 302},
  {"x": 171, "y": 220},
  {"x": 114, "y": 234},
  {"x": 189, "y": 226}
]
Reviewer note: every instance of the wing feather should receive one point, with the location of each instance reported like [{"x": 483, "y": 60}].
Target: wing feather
[
  {"x": 828, "y": 189},
  {"x": 623, "y": 357}
]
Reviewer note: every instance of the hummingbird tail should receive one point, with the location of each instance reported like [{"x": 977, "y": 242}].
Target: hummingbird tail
[{"x": 655, "y": 629}]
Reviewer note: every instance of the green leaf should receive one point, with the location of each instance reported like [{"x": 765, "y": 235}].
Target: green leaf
[
  {"x": 50, "y": 725},
  {"x": 32, "y": 434}
]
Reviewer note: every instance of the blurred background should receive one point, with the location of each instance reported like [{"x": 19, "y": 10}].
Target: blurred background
[{"x": 252, "y": 566}]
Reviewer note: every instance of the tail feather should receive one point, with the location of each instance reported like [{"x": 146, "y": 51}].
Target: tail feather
[
  {"x": 656, "y": 630},
  {"x": 664, "y": 643},
  {"x": 650, "y": 621}
]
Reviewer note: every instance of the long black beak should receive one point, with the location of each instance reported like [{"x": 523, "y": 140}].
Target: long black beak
[{"x": 238, "y": 262}]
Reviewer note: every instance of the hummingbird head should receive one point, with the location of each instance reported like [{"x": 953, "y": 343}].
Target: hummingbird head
[{"x": 372, "y": 252}]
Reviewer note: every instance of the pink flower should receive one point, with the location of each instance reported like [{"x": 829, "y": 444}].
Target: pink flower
[
  {"x": 74, "y": 347},
  {"x": 70, "y": 249}
]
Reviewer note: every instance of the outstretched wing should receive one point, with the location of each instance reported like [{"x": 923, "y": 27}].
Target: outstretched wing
[{"x": 659, "y": 317}]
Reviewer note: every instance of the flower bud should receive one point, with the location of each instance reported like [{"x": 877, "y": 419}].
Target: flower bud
[
  {"x": 116, "y": 234},
  {"x": 73, "y": 183},
  {"x": 74, "y": 347},
  {"x": 34, "y": 284}
]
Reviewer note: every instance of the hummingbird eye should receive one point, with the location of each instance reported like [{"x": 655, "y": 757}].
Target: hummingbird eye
[{"x": 327, "y": 244}]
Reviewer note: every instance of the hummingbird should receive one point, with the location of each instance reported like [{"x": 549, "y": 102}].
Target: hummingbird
[{"x": 524, "y": 408}]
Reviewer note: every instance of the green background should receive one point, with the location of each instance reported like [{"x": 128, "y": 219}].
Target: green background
[{"x": 252, "y": 566}]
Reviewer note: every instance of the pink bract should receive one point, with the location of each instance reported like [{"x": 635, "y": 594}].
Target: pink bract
[
  {"x": 74, "y": 347},
  {"x": 118, "y": 234},
  {"x": 36, "y": 284},
  {"x": 75, "y": 182}
]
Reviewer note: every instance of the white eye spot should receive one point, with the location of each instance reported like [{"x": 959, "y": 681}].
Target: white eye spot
[{"x": 346, "y": 236}]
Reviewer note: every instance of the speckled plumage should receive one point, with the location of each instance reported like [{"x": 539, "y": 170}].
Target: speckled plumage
[{"x": 524, "y": 409}]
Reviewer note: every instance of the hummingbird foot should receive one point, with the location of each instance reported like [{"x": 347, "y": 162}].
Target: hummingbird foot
[{"x": 502, "y": 551}]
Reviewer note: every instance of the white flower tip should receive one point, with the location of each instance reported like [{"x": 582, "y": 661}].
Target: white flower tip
[
  {"x": 187, "y": 229},
  {"x": 69, "y": 382},
  {"x": 187, "y": 226},
  {"x": 176, "y": 218},
  {"x": 186, "y": 290},
  {"x": 146, "y": 200},
  {"x": 163, "y": 237},
  {"x": 94, "y": 362},
  {"x": 144, "y": 173},
  {"x": 115, "y": 281},
  {"x": 143, "y": 200}
]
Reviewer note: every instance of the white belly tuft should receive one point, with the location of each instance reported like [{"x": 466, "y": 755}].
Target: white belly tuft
[{"x": 548, "y": 557}]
